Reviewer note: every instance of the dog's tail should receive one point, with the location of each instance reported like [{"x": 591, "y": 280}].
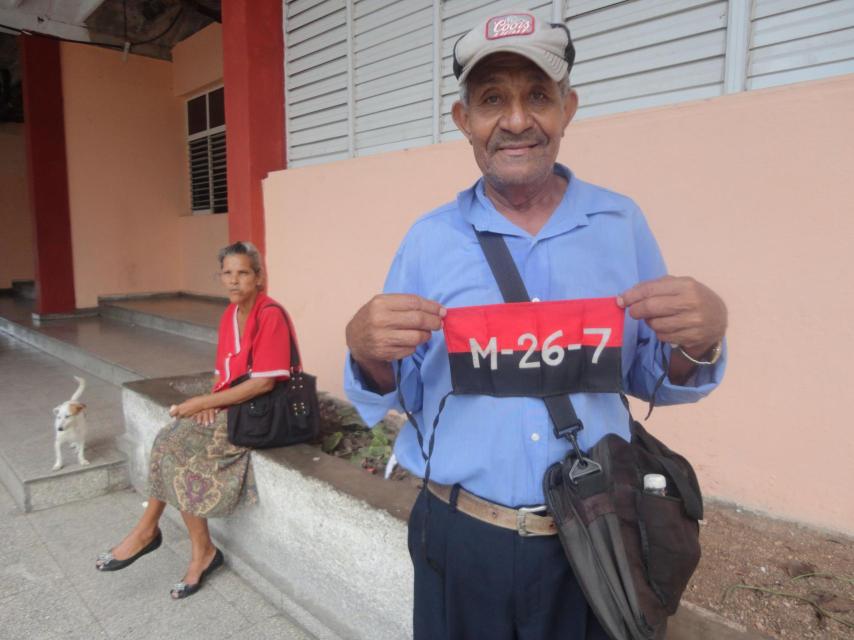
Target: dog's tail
[{"x": 81, "y": 385}]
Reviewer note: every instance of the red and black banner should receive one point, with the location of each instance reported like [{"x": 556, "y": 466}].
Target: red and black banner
[{"x": 536, "y": 348}]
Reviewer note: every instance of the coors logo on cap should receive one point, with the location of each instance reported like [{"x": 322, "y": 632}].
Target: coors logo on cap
[{"x": 514, "y": 24}]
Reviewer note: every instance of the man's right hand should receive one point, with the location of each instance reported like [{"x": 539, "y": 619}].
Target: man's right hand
[{"x": 390, "y": 327}]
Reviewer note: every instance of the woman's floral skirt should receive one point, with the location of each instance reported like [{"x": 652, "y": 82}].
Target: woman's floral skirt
[{"x": 197, "y": 470}]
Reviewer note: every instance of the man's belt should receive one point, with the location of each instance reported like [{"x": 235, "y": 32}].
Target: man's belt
[{"x": 527, "y": 521}]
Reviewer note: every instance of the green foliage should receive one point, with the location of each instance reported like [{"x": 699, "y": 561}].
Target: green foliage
[
  {"x": 331, "y": 441},
  {"x": 380, "y": 446},
  {"x": 346, "y": 436}
]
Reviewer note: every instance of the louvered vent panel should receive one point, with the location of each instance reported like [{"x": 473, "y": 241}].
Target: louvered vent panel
[
  {"x": 316, "y": 80},
  {"x": 796, "y": 40},
  {"x": 637, "y": 53},
  {"x": 200, "y": 178},
  {"x": 393, "y": 74}
]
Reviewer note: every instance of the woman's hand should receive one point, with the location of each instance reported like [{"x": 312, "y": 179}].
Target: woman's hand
[
  {"x": 203, "y": 409},
  {"x": 206, "y": 417},
  {"x": 190, "y": 408}
]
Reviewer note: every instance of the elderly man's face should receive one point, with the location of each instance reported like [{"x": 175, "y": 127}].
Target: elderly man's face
[{"x": 514, "y": 119}]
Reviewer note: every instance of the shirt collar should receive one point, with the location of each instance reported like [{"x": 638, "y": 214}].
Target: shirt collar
[
  {"x": 260, "y": 299},
  {"x": 572, "y": 210}
]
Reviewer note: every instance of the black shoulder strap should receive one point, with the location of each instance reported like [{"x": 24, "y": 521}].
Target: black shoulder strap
[
  {"x": 503, "y": 268},
  {"x": 561, "y": 411},
  {"x": 296, "y": 362}
]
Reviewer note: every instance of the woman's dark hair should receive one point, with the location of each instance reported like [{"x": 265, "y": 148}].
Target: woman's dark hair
[{"x": 241, "y": 248}]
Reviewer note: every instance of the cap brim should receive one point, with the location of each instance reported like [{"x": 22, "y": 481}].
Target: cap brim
[{"x": 554, "y": 66}]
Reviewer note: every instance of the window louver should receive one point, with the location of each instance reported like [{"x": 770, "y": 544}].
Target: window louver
[
  {"x": 219, "y": 180},
  {"x": 207, "y": 153},
  {"x": 200, "y": 179}
]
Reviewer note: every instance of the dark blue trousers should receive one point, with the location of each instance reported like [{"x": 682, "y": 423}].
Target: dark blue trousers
[{"x": 476, "y": 581}]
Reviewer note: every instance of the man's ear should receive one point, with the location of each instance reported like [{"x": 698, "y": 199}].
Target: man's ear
[
  {"x": 460, "y": 114},
  {"x": 570, "y": 107}
]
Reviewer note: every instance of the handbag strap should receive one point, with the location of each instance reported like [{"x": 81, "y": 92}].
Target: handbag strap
[
  {"x": 565, "y": 421},
  {"x": 296, "y": 362}
]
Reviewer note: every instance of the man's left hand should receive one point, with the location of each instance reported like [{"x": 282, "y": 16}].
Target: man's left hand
[{"x": 680, "y": 310}]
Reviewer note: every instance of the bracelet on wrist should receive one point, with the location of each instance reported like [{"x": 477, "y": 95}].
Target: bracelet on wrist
[{"x": 712, "y": 355}]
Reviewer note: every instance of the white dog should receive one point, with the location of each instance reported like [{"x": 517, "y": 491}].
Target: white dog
[{"x": 70, "y": 426}]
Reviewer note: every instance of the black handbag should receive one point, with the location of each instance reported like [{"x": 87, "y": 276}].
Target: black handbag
[
  {"x": 286, "y": 415},
  {"x": 632, "y": 553}
]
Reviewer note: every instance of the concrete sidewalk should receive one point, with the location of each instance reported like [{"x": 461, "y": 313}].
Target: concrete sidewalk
[{"x": 49, "y": 588}]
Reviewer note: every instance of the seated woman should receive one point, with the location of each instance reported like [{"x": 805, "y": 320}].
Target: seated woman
[{"x": 193, "y": 466}]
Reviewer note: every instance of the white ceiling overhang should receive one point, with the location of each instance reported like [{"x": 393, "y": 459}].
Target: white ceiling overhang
[{"x": 51, "y": 17}]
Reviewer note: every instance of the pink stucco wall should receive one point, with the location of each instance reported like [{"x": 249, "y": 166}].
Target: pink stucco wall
[
  {"x": 201, "y": 238},
  {"x": 197, "y": 61},
  {"x": 16, "y": 241},
  {"x": 132, "y": 230},
  {"x": 750, "y": 193},
  {"x": 125, "y": 168},
  {"x": 197, "y": 66}
]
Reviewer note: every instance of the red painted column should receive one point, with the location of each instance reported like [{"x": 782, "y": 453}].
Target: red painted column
[
  {"x": 47, "y": 173},
  {"x": 253, "y": 74}
]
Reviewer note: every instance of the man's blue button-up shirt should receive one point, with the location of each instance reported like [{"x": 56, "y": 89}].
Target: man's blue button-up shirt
[{"x": 596, "y": 244}]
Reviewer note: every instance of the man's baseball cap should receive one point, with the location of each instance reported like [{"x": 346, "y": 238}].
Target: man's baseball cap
[{"x": 546, "y": 44}]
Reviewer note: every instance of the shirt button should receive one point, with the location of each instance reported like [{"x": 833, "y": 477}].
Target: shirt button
[
  {"x": 535, "y": 437},
  {"x": 535, "y": 299}
]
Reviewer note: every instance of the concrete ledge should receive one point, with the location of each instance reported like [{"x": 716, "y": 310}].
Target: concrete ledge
[
  {"x": 108, "y": 474},
  {"x": 336, "y": 559},
  {"x": 327, "y": 542},
  {"x": 77, "y": 484},
  {"x": 80, "y": 312}
]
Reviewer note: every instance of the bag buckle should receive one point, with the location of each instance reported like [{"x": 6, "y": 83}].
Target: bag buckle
[
  {"x": 570, "y": 431},
  {"x": 522, "y": 520},
  {"x": 582, "y": 466}
]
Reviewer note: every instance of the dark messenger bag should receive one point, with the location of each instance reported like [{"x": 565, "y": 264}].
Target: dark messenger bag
[
  {"x": 286, "y": 415},
  {"x": 632, "y": 552}
]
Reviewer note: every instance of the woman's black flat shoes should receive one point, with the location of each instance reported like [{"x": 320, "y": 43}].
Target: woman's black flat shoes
[
  {"x": 106, "y": 561},
  {"x": 184, "y": 590}
]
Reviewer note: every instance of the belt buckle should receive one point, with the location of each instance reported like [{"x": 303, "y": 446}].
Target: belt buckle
[{"x": 522, "y": 520}]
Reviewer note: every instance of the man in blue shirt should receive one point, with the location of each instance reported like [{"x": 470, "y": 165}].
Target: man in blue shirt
[{"x": 477, "y": 575}]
